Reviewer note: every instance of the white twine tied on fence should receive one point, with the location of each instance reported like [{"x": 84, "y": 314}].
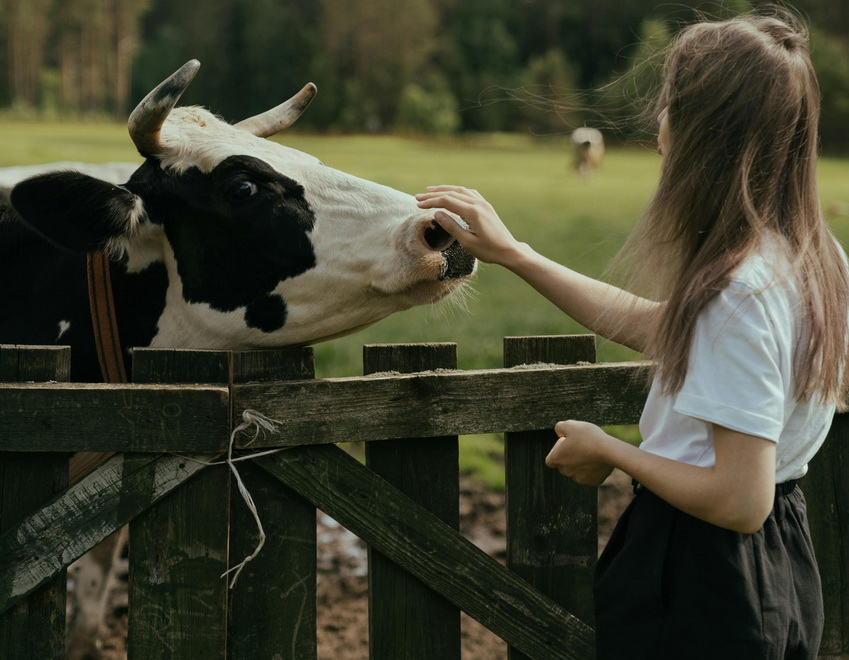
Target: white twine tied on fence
[{"x": 260, "y": 423}]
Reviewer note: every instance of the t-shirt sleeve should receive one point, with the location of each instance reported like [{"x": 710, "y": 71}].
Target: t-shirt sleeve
[{"x": 734, "y": 378}]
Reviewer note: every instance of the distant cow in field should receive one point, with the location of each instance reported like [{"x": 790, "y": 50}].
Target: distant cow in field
[
  {"x": 588, "y": 150},
  {"x": 220, "y": 239}
]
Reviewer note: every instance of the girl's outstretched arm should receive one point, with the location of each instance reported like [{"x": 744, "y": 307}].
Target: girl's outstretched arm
[
  {"x": 603, "y": 308},
  {"x": 737, "y": 493}
]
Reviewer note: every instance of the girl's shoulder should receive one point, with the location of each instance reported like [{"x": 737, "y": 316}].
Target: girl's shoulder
[{"x": 766, "y": 267}]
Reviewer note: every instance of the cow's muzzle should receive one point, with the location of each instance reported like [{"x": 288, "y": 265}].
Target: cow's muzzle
[{"x": 457, "y": 261}]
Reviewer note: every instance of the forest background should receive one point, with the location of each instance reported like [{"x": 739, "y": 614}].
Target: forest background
[{"x": 413, "y": 66}]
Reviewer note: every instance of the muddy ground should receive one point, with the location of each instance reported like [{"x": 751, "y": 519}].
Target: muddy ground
[{"x": 342, "y": 577}]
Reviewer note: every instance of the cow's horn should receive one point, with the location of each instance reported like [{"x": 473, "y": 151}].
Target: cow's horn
[
  {"x": 283, "y": 116},
  {"x": 147, "y": 119}
]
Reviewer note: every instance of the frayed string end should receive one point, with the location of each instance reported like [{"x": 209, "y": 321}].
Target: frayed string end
[{"x": 261, "y": 423}]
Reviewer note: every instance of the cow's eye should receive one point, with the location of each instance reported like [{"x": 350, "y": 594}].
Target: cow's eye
[{"x": 242, "y": 190}]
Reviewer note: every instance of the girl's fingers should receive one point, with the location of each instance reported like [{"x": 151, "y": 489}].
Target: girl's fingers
[
  {"x": 468, "y": 193},
  {"x": 429, "y": 198},
  {"x": 462, "y": 207},
  {"x": 456, "y": 204},
  {"x": 551, "y": 460},
  {"x": 460, "y": 189},
  {"x": 457, "y": 227}
]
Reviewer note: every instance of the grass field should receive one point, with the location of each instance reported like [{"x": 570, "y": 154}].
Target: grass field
[{"x": 578, "y": 222}]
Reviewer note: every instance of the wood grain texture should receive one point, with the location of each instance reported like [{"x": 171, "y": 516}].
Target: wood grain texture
[
  {"x": 98, "y": 417},
  {"x": 440, "y": 403},
  {"x": 273, "y": 605},
  {"x": 34, "y": 627},
  {"x": 178, "y": 549},
  {"x": 37, "y": 548},
  {"x": 427, "y": 471},
  {"x": 432, "y": 551},
  {"x": 552, "y": 522}
]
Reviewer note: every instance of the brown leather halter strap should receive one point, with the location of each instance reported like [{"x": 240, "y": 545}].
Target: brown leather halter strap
[{"x": 106, "y": 339}]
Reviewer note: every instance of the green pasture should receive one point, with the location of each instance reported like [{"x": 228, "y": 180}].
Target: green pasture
[{"x": 578, "y": 222}]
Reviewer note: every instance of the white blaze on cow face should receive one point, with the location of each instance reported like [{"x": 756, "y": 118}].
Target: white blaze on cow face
[{"x": 375, "y": 251}]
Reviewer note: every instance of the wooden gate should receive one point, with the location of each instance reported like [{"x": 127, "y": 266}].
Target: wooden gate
[{"x": 188, "y": 524}]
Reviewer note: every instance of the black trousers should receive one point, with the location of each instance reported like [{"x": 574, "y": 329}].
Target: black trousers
[{"x": 669, "y": 586}]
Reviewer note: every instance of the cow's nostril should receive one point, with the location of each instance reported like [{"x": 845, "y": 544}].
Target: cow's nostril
[{"x": 437, "y": 238}]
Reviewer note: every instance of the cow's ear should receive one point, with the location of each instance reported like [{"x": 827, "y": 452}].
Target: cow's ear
[{"x": 76, "y": 211}]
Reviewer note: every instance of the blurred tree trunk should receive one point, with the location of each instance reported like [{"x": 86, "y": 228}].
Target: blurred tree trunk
[
  {"x": 27, "y": 26},
  {"x": 378, "y": 47},
  {"x": 68, "y": 44},
  {"x": 96, "y": 40}
]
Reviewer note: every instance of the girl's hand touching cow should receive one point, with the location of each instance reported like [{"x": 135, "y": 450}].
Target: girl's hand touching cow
[{"x": 487, "y": 237}]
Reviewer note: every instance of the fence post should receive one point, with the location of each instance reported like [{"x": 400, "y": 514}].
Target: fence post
[
  {"x": 178, "y": 548},
  {"x": 407, "y": 619},
  {"x": 552, "y": 523},
  {"x": 827, "y": 492},
  {"x": 35, "y": 627},
  {"x": 273, "y": 605}
]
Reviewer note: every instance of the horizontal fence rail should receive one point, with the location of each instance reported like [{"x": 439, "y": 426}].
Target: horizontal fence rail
[
  {"x": 162, "y": 418},
  {"x": 189, "y": 523},
  {"x": 98, "y": 417},
  {"x": 445, "y": 402}
]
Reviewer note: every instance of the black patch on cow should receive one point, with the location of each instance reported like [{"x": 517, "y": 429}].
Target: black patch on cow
[
  {"x": 73, "y": 211},
  {"x": 236, "y": 232},
  {"x": 139, "y": 302},
  {"x": 43, "y": 286},
  {"x": 267, "y": 313}
]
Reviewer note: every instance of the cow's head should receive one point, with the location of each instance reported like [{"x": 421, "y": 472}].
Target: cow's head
[{"x": 263, "y": 244}]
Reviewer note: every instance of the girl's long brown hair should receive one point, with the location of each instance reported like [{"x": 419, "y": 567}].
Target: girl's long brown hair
[{"x": 743, "y": 105}]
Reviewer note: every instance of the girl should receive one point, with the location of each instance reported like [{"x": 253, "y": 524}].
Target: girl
[{"x": 713, "y": 557}]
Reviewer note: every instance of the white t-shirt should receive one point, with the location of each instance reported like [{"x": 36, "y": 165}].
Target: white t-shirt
[{"x": 740, "y": 375}]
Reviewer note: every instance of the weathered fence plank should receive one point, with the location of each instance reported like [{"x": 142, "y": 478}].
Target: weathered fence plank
[
  {"x": 429, "y": 549},
  {"x": 427, "y": 472},
  {"x": 446, "y": 402},
  {"x": 35, "y": 627},
  {"x": 273, "y": 605},
  {"x": 75, "y": 417},
  {"x": 552, "y": 523},
  {"x": 178, "y": 549},
  {"x": 36, "y": 549},
  {"x": 826, "y": 489}
]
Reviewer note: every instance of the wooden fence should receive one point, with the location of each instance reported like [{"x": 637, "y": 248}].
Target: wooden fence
[{"x": 188, "y": 524}]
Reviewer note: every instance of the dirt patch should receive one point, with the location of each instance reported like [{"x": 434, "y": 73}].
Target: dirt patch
[{"x": 342, "y": 606}]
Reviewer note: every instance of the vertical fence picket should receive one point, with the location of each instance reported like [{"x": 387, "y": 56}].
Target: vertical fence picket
[
  {"x": 827, "y": 492},
  {"x": 35, "y": 627},
  {"x": 406, "y": 618},
  {"x": 273, "y": 605},
  {"x": 178, "y": 549},
  {"x": 552, "y": 524}
]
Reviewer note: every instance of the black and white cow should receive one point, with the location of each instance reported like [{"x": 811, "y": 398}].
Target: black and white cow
[
  {"x": 221, "y": 239},
  {"x": 587, "y": 150}
]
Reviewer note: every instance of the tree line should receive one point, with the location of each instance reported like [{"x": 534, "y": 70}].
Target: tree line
[{"x": 418, "y": 65}]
